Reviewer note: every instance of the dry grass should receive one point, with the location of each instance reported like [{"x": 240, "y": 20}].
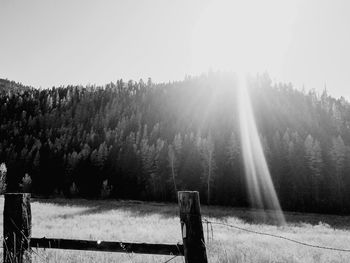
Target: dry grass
[{"x": 131, "y": 221}]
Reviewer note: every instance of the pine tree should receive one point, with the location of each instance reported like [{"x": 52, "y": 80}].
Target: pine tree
[
  {"x": 172, "y": 161},
  {"x": 313, "y": 156},
  {"x": 234, "y": 181},
  {"x": 207, "y": 150},
  {"x": 3, "y": 171},
  {"x": 338, "y": 155}
]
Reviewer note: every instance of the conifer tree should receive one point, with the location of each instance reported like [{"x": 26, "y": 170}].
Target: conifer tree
[
  {"x": 207, "y": 151},
  {"x": 338, "y": 155}
]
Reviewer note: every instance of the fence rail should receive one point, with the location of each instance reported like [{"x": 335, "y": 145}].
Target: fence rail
[
  {"x": 18, "y": 242},
  {"x": 107, "y": 246}
]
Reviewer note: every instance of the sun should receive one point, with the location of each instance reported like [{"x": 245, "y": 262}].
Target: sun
[{"x": 242, "y": 36}]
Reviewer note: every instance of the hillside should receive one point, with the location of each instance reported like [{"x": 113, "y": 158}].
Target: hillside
[{"x": 142, "y": 140}]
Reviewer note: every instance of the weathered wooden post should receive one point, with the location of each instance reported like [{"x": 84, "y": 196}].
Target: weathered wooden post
[
  {"x": 191, "y": 227},
  {"x": 17, "y": 228}
]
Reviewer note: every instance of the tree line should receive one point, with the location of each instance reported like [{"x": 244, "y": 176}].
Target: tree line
[{"x": 141, "y": 140}]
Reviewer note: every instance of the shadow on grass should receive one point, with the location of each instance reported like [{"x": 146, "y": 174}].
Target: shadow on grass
[
  {"x": 170, "y": 210},
  {"x": 135, "y": 208}
]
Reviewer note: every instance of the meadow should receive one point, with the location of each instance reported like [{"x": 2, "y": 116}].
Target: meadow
[{"x": 134, "y": 221}]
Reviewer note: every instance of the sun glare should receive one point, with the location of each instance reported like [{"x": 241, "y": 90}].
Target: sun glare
[
  {"x": 242, "y": 36},
  {"x": 246, "y": 37},
  {"x": 260, "y": 187}
]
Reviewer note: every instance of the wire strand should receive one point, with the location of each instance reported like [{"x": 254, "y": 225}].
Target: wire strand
[
  {"x": 278, "y": 236},
  {"x": 170, "y": 259}
]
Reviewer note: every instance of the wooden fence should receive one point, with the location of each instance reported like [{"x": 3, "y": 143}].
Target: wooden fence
[{"x": 18, "y": 240}]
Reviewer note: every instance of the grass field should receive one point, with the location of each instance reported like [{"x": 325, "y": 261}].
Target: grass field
[{"x": 133, "y": 221}]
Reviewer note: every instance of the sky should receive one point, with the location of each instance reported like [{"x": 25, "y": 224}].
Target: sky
[{"x": 47, "y": 43}]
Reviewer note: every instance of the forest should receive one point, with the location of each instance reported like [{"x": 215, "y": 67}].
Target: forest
[{"x": 145, "y": 141}]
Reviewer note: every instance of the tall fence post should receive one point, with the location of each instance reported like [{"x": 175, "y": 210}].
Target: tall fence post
[
  {"x": 17, "y": 228},
  {"x": 191, "y": 227}
]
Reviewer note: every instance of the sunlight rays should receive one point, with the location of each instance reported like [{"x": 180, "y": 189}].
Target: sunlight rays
[{"x": 261, "y": 190}]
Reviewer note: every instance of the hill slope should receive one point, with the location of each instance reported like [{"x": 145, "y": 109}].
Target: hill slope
[{"x": 144, "y": 140}]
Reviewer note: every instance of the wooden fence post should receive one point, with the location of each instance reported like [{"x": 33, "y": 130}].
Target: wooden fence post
[
  {"x": 191, "y": 227},
  {"x": 17, "y": 228}
]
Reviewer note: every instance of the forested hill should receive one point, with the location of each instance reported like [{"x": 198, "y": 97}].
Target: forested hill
[
  {"x": 7, "y": 86},
  {"x": 142, "y": 140}
]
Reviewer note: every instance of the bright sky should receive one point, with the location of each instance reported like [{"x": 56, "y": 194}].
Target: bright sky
[{"x": 47, "y": 42}]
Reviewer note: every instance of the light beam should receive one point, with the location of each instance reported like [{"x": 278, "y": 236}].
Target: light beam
[{"x": 261, "y": 190}]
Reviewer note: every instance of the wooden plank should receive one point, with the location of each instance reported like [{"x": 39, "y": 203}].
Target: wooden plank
[
  {"x": 191, "y": 227},
  {"x": 107, "y": 246},
  {"x": 17, "y": 228}
]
